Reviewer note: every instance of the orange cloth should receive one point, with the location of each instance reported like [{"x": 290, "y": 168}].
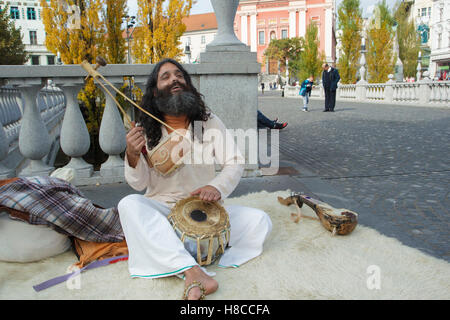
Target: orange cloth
[
  {"x": 6, "y": 181},
  {"x": 180, "y": 122},
  {"x": 90, "y": 251}
]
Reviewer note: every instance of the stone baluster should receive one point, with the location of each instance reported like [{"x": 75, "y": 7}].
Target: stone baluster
[
  {"x": 75, "y": 140},
  {"x": 112, "y": 139},
  {"x": 34, "y": 139},
  {"x": 4, "y": 148}
]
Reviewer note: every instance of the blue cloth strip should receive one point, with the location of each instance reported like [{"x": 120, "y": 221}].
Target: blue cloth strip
[{"x": 99, "y": 263}]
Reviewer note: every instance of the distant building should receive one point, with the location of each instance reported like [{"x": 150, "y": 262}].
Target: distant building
[
  {"x": 440, "y": 39},
  {"x": 27, "y": 16},
  {"x": 257, "y": 22},
  {"x": 200, "y": 31}
]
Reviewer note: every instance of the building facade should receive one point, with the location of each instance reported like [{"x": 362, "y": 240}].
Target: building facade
[
  {"x": 440, "y": 39},
  {"x": 201, "y": 29},
  {"x": 27, "y": 16},
  {"x": 257, "y": 22}
]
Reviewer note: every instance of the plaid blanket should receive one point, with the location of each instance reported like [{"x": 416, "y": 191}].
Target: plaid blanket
[{"x": 59, "y": 205}]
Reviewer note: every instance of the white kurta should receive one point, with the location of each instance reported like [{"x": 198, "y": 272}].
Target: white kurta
[{"x": 154, "y": 248}]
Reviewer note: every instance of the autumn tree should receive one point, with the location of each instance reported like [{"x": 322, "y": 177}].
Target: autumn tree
[
  {"x": 350, "y": 25},
  {"x": 311, "y": 58},
  {"x": 161, "y": 27},
  {"x": 114, "y": 41},
  {"x": 12, "y": 49},
  {"x": 408, "y": 39},
  {"x": 76, "y": 31},
  {"x": 380, "y": 45},
  {"x": 281, "y": 50}
]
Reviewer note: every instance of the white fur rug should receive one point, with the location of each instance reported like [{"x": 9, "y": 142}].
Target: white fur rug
[{"x": 300, "y": 261}]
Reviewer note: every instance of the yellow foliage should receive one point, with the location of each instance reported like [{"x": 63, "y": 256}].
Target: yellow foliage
[{"x": 161, "y": 27}]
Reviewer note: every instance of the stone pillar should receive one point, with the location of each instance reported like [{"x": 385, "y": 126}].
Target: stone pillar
[
  {"x": 389, "y": 89},
  {"x": 424, "y": 89},
  {"x": 292, "y": 23},
  {"x": 244, "y": 28},
  {"x": 229, "y": 79},
  {"x": 112, "y": 140},
  {"x": 75, "y": 140},
  {"x": 34, "y": 140},
  {"x": 328, "y": 34},
  {"x": 253, "y": 33},
  {"x": 302, "y": 22}
]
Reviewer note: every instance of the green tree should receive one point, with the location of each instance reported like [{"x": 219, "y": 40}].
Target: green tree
[
  {"x": 311, "y": 58},
  {"x": 350, "y": 24},
  {"x": 282, "y": 49},
  {"x": 408, "y": 39},
  {"x": 12, "y": 49},
  {"x": 380, "y": 45}
]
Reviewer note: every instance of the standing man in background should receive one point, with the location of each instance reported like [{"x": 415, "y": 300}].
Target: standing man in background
[{"x": 330, "y": 79}]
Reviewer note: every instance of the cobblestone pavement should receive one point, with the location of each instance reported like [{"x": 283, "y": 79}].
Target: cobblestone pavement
[{"x": 389, "y": 163}]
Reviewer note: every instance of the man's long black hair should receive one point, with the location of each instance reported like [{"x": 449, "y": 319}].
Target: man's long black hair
[{"x": 153, "y": 127}]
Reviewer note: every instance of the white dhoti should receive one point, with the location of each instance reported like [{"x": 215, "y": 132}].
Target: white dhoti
[{"x": 156, "y": 251}]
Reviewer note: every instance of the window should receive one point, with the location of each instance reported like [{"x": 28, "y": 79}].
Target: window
[
  {"x": 424, "y": 12},
  {"x": 50, "y": 60},
  {"x": 31, "y": 14},
  {"x": 429, "y": 11},
  {"x": 15, "y": 13},
  {"x": 203, "y": 40},
  {"x": 261, "y": 37},
  {"x": 35, "y": 60},
  {"x": 33, "y": 37},
  {"x": 284, "y": 34}
]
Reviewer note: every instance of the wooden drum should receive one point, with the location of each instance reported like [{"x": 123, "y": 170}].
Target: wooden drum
[{"x": 203, "y": 227}]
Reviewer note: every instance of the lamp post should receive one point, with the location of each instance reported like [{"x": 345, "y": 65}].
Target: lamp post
[
  {"x": 130, "y": 22},
  {"x": 398, "y": 63}
]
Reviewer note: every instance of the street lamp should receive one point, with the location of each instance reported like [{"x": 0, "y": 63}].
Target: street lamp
[{"x": 130, "y": 22}]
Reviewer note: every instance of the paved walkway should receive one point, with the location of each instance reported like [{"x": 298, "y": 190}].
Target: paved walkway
[{"x": 391, "y": 164}]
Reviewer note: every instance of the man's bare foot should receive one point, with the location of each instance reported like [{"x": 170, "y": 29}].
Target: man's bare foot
[{"x": 197, "y": 274}]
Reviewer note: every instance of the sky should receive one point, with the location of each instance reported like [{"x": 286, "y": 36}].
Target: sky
[{"x": 204, "y": 6}]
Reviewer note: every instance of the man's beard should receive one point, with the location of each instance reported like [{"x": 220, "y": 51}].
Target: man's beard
[{"x": 177, "y": 104}]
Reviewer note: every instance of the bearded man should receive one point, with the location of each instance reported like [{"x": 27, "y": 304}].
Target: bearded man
[{"x": 154, "y": 248}]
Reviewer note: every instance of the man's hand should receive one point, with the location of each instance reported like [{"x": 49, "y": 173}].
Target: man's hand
[
  {"x": 207, "y": 193},
  {"x": 135, "y": 143}
]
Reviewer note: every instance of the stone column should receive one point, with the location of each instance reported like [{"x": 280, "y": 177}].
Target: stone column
[
  {"x": 112, "y": 140},
  {"x": 229, "y": 79},
  {"x": 75, "y": 140},
  {"x": 302, "y": 22}
]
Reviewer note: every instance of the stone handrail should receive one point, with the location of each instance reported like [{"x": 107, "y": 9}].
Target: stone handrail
[
  {"x": 227, "y": 77},
  {"x": 424, "y": 92},
  {"x": 25, "y": 95}
]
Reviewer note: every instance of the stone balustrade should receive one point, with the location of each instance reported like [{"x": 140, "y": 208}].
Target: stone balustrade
[
  {"x": 425, "y": 92},
  {"x": 38, "y": 120}
]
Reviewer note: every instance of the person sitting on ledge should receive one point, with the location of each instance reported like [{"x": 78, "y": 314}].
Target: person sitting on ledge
[{"x": 264, "y": 122}]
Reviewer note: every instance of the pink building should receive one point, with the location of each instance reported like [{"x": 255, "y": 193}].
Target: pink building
[{"x": 259, "y": 21}]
